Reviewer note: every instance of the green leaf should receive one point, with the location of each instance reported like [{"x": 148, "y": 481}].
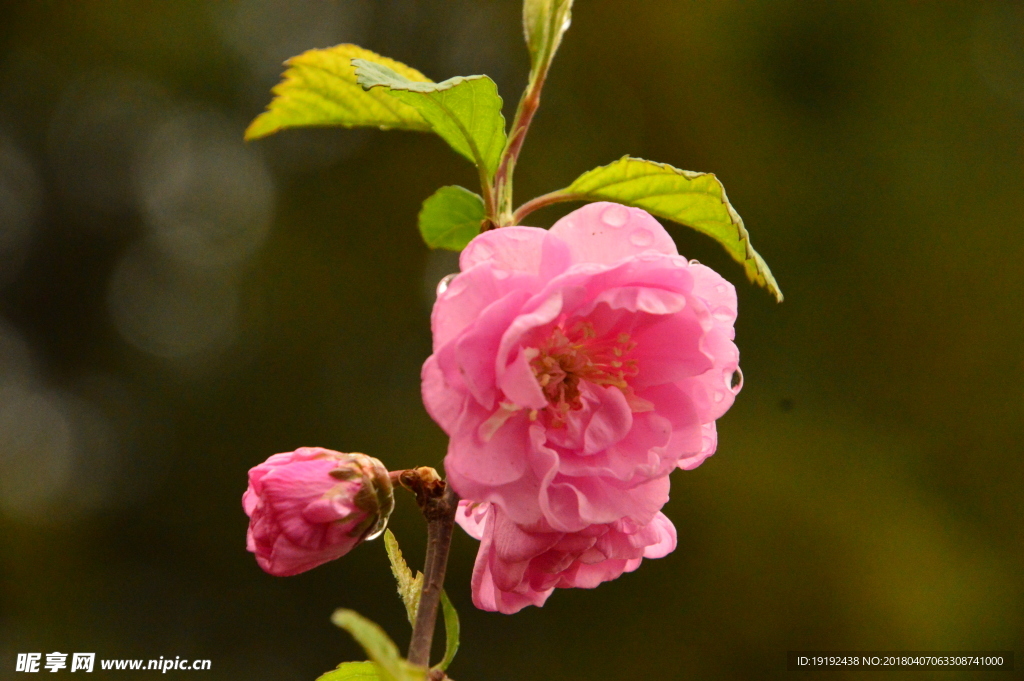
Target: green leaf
[
  {"x": 544, "y": 23},
  {"x": 351, "y": 671},
  {"x": 319, "y": 88},
  {"x": 693, "y": 199},
  {"x": 378, "y": 646},
  {"x": 409, "y": 587},
  {"x": 451, "y": 217},
  {"x": 464, "y": 111},
  {"x": 451, "y": 632}
]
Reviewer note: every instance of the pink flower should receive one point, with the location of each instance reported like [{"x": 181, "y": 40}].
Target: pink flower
[
  {"x": 313, "y": 505},
  {"x": 575, "y": 368},
  {"x": 517, "y": 566}
]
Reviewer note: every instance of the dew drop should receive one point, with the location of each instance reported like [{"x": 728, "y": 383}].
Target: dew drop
[
  {"x": 719, "y": 396},
  {"x": 734, "y": 380},
  {"x": 377, "y": 531},
  {"x": 695, "y": 262},
  {"x": 721, "y": 288},
  {"x": 641, "y": 237},
  {"x": 615, "y": 216},
  {"x": 443, "y": 285},
  {"x": 723, "y": 314}
]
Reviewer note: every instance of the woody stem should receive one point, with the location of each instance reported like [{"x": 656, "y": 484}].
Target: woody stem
[{"x": 439, "y": 510}]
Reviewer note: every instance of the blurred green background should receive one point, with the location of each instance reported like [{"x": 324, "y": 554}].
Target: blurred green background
[{"x": 176, "y": 305}]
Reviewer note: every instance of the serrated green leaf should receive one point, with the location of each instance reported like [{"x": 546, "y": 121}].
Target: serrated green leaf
[
  {"x": 464, "y": 111},
  {"x": 451, "y": 632},
  {"x": 697, "y": 200},
  {"x": 351, "y": 671},
  {"x": 451, "y": 217},
  {"x": 319, "y": 88},
  {"x": 379, "y": 647},
  {"x": 409, "y": 587},
  {"x": 544, "y": 23}
]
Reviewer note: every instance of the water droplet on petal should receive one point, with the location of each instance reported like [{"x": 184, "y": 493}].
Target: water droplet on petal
[
  {"x": 443, "y": 285},
  {"x": 376, "y": 532},
  {"x": 695, "y": 262},
  {"x": 723, "y": 314},
  {"x": 734, "y": 380},
  {"x": 719, "y": 396},
  {"x": 481, "y": 252},
  {"x": 721, "y": 288},
  {"x": 615, "y": 216},
  {"x": 641, "y": 237}
]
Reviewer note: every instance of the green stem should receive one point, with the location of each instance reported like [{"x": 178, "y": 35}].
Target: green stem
[{"x": 528, "y": 105}]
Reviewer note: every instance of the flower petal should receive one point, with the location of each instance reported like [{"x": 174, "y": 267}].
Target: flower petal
[{"x": 608, "y": 232}]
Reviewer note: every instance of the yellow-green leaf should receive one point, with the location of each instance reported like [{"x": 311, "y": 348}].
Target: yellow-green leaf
[
  {"x": 351, "y": 671},
  {"x": 544, "y": 22},
  {"x": 451, "y": 217},
  {"x": 320, "y": 89},
  {"x": 696, "y": 200},
  {"x": 464, "y": 111},
  {"x": 409, "y": 587},
  {"x": 379, "y": 647},
  {"x": 451, "y": 632}
]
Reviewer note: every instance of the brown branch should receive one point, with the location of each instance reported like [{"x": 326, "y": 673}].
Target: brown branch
[{"x": 439, "y": 504}]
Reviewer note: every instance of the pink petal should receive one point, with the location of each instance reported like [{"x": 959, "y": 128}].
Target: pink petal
[
  {"x": 607, "y": 233},
  {"x": 510, "y": 248},
  {"x": 666, "y": 543},
  {"x": 472, "y": 517},
  {"x": 610, "y": 421},
  {"x": 495, "y": 462},
  {"x": 519, "y": 384},
  {"x": 443, "y": 401},
  {"x": 668, "y": 349}
]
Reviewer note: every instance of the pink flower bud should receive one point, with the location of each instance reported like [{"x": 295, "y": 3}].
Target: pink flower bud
[
  {"x": 313, "y": 505},
  {"x": 519, "y": 566}
]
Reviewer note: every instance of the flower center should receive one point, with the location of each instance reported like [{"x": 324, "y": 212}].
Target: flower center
[{"x": 574, "y": 354}]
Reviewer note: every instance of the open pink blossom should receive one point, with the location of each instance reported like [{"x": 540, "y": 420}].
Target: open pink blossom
[
  {"x": 313, "y": 505},
  {"x": 574, "y": 368},
  {"x": 518, "y": 566}
]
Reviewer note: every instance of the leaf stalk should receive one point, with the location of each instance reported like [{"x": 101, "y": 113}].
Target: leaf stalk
[
  {"x": 525, "y": 111},
  {"x": 551, "y": 198}
]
